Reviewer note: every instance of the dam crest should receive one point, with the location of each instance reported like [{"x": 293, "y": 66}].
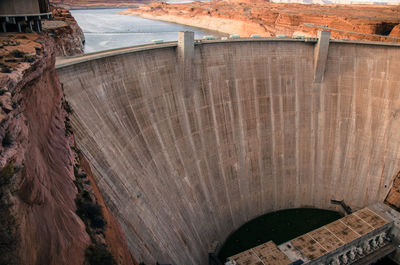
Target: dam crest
[{"x": 255, "y": 133}]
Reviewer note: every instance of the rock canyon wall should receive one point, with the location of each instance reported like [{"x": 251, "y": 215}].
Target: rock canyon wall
[{"x": 39, "y": 223}]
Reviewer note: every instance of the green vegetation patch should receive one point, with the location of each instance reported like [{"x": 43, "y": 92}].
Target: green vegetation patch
[
  {"x": 92, "y": 215},
  {"x": 280, "y": 227},
  {"x": 6, "y": 174},
  {"x": 17, "y": 54},
  {"x": 98, "y": 254},
  {"x": 67, "y": 107},
  {"x": 7, "y": 140}
]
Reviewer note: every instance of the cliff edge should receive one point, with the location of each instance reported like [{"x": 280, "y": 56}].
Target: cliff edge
[{"x": 65, "y": 31}]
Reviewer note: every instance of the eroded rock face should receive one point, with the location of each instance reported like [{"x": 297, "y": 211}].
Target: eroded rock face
[
  {"x": 272, "y": 19},
  {"x": 37, "y": 158},
  {"x": 67, "y": 34},
  {"x": 41, "y": 189},
  {"x": 395, "y": 32}
]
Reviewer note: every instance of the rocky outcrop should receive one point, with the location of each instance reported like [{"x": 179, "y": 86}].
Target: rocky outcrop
[
  {"x": 67, "y": 34},
  {"x": 272, "y": 19},
  {"x": 395, "y": 31},
  {"x": 393, "y": 197}
]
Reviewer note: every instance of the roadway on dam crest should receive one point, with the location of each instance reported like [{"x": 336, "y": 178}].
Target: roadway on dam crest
[{"x": 255, "y": 134}]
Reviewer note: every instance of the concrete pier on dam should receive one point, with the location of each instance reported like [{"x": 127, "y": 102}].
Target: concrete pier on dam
[{"x": 183, "y": 157}]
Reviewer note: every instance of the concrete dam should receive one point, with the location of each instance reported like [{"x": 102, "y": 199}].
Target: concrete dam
[{"x": 186, "y": 150}]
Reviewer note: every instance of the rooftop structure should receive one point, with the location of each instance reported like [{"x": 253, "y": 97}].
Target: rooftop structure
[
  {"x": 343, "y": 239},
  {"x": 23, "y": 15}
]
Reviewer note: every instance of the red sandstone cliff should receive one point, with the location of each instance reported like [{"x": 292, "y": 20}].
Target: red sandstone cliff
[
  {"x": 38, "y": 220},
  {"x": 358, "y": 22},
  {"x": 35, "y": 148},
  {"x": 67, "y": 34}
]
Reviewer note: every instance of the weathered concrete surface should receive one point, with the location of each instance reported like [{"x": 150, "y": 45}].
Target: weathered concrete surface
[
  {"x": 321, "y": 55},
  {"x": 17, "y": 7},
  {"x": 185, "y": 55},
  {"x": 256, "y": 136}
]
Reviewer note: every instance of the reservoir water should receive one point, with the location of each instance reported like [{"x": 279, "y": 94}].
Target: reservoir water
[{"x": 104, "y": 29}]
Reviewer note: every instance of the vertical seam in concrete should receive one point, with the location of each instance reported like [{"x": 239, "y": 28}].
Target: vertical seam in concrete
[
  {"x": 243, "y": 179},
  {"x": 192, "y": 207},
  {"x": 213, "y": 192},
  {"x": 368, "y": 129},
  {"x": 260, "y": 173},
  {"x": 351, "y": 140},
  {"x": 143, "y": 136},
  {"x": 321, "y": 142},
  {"x": 219, "y": 155},
  {"x": 312, "y": 147},
  {"x": 273, "y": 134},
  {"x": 194, "y": 153},
  {"x": 297, "y": 129},
  {"x": 389, "y": 120},
  {"x": 282, "y": 93},
  {"x": 336, "y": 170},
  {"x": 169, "y": 163}
]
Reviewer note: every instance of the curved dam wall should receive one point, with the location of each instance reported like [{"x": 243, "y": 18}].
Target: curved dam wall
[{"x": 255, "y": 135}]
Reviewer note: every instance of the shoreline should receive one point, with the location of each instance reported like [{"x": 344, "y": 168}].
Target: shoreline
[
  {"x": 370, "y": 23},
  {"x": 222, "y": 25},
  {"x": 100, "y": 6}
]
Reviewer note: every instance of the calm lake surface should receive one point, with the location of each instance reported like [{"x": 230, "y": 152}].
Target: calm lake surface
[{"x": 104, "y": 29}]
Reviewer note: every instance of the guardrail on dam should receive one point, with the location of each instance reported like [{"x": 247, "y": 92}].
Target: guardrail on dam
[{"x": 255, "y": 134}]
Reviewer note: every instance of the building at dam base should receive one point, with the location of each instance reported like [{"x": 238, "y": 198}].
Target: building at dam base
[
  {"x": 181, "y": 168},
  {"x": 354, "y": 238}
]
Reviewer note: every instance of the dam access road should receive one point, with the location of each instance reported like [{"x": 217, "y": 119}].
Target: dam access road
[{"x": 183, "y": 157}]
